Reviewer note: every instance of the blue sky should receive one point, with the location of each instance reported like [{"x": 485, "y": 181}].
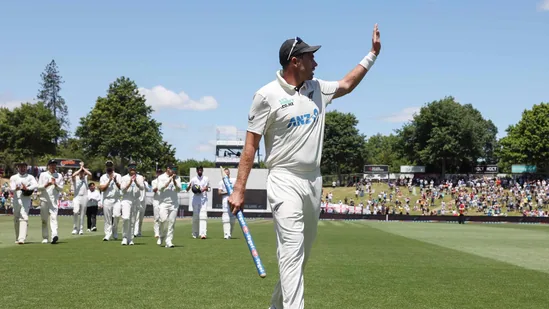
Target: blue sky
[{"x": 199, "y": 63}]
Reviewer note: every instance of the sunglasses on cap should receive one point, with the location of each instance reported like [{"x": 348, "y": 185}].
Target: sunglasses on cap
[{"x": 297, "y": 40}]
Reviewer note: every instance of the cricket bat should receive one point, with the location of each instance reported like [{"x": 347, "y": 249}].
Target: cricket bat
[{"x": 245, "y": 229}]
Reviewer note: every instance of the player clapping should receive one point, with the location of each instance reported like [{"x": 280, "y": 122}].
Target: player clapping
[{"x": 22, "y": 185}]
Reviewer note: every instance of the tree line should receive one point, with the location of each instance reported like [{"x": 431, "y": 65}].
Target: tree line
[{"x": 444, "y": 136}]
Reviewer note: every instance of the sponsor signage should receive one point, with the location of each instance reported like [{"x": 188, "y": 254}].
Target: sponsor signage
[
  {"x": 253, "y": 199},
  {"x": 521, "y": 168},
  {"x": 68, "y": 163},
  {"x": 376, "y": 169},
  {"x": 412, "y": 169},
  {"x": 482, "y": 169}
]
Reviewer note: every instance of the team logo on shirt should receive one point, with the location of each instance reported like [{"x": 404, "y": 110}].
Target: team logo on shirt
[
  {"x": 304, "y": 119},
  {"x": 285, "y": 102}
]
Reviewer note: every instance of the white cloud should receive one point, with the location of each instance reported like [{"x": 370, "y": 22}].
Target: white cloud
[
  {"x": 10, "y": 104},
  {"x": 206, "y": 147},
  {"x": 404, "y": 115},
  {"x": 226, "y": 130},
  {"x": 177, "y": 126},
  {"x": 543, "y": 5},
  {"x": 161, "y": 98}
]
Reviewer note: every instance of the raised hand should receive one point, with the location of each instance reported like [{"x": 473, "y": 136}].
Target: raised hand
[{"x": 376, "y": 42}]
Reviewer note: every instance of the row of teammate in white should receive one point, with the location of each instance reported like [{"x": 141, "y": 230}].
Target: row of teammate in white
[
  {"x": 289, "y": 113},
  {"x": 128, "y": 204}
]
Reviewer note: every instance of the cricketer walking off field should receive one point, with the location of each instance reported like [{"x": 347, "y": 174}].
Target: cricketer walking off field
[
  {"x": 228, "y": 219},
  {"x": 109, "y": 185},
  {"x": 169, "y": 185},
  {"x": 200, "y": 204},
  {"x": 156, "y": 203},
  {"x": 140, "y": 211},
  {"x": 22, "y": 186},
  {"x": 80, "y": 200},
  {"x": 290, "y": 113},
  {"x": 50, "y": 184},
  {"x": 132, "y": 185}
]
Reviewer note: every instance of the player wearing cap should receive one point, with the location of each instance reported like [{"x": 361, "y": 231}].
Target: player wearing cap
[
  {"x": 22, "y": 186},
  {"x": 227, "y": 218},
  {"x": 200, "y": 202},
  {"x": 290, "y": 113},
  {"x": 50, "y": 184},
  {"x": 169, "y": 185},
  {"x": 132, "y": 185},
  {"x": 156, "y": 203},
  {"x": 80, "y": 200},
  {"x": 109, "y": 185}
]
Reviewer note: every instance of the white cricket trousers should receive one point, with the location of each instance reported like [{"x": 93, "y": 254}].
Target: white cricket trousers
[
  {"x": 111, "y": 214},
  {"x": 200, "y": 215},
  {"x": 129, "y": 216},
  {"x": 227, "y": 218},
  {"x": 156, "y": 213},
  {"x": 139, "y": 215},
  {"x": 167, "y": 215},
  {"x": 21, "y": 208},
  {"x": 295, "y": 203},
  {"x": 48, "y": 212},
  {"x": 79, "y": 204}
]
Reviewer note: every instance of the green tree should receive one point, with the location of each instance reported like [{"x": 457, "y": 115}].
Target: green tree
[
  {"x": 343, "y": 151},
  {"x": 29, "y": 131},
  {"x": 120, "y": 125},
  {"x": 49, "y": 93},
  {"x": 185, "y": 166},
  {"x": 385, "y": 150},
  {"x": 526, "y": 142},
  {"x": 447, "y": 136}
]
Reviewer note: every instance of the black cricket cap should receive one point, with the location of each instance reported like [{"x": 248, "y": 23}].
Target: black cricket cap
[
  {"x": 132, "y": 163},
  {"x": 300, "y": 48},
  {"x": 171, "y": 165},
  {"x": 109, "y": 163},
  {"x": 23, "y": 163},
  {"x": 52, "y": 161}
]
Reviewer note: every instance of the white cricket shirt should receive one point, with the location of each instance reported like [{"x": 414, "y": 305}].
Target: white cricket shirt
[
  {"x": 80, "y": 186},
  {"x": 132, "y": 193},
  {"x": 156, "y": 196},
  {"x": 17, "y": 180},
  {"x": 203, "y": 181},
  {"x": 168, "y": 195},
  {"x": 52, "y": 192},
  {"x": 112, "y": 191},
  {"x": 222, "y": 188},
  {"x": 292, "y": 122}
]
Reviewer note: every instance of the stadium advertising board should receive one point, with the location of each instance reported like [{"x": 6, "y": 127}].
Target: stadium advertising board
[
  {"x": 521, "y": 168},
  {"x": 376, "y": 169},
  {"x": 486, "y": 169},
  {"x": 253, "y": 199},
  {"x": 412, "y": 169}
]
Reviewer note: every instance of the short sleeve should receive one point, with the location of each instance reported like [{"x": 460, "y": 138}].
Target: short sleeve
[
  {"x": 259, "y": 115},
  {"x": 328, "y": 89}
]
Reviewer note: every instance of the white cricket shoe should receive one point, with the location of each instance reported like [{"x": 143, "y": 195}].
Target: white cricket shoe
[
  {"x": 16, "y": 242},
  {"x": 81, "y": 233},
  {"x": 124, "y": 242},
  {"x": 170, "y": 245},
  {"x": 131, "y": 243},
  {"x": 44, "y": 241},
  {"x": 74, "y": 232},
  {"x": 159, "y": 241}
]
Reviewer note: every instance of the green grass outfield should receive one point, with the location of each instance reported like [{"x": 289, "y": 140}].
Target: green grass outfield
[{"x": 355, "y": 264}]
